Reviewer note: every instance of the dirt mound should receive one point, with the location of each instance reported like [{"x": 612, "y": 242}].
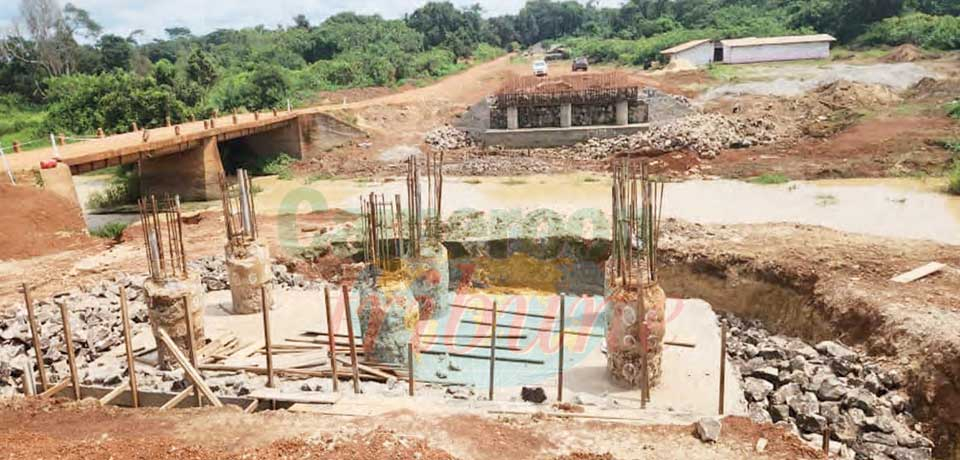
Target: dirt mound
[
  {"x": 906, "y": 53},
  {"x": 848, "y": 94},
  {"x": 38, "y": 222}
]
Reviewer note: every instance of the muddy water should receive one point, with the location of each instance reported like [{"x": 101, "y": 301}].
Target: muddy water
[{"x": 904, "y": 208}]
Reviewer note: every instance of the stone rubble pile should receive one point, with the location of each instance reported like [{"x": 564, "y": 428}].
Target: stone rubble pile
[
  {"x": 704, "y": 133},
  {"x": 495, "y": 165},
  {"x": 213, "y": 274},
  {"x": 809, "y": 389},
  {"x": 95, "y": 325},
  {"x": 447, "y": 137}
]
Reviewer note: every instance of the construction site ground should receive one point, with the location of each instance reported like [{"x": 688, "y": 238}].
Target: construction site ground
[{"x": 836, "y": 283}]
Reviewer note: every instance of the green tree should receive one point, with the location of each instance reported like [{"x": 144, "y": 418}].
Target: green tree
[
  {"x": 269, "y": 87},
  {"x": 201, "y": 69},
  {"x": 115, "y": 52}
]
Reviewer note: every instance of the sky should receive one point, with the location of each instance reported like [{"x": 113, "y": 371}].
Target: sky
[{"x": 120, "y": 17}]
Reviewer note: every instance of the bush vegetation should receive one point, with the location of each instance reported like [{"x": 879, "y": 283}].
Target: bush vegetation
[
  {"x": 953, "y": 177},
  {"x": 124, "y": 188},
  {"x": 113, "y": 231},
  {"x": 770, "y": 179},
  {"x": 99, "y": 80}
]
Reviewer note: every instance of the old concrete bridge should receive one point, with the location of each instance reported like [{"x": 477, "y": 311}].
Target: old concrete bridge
[{"x": 185, "y": 159}]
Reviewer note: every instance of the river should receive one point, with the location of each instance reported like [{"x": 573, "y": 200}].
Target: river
[{"x": 893, "y": 207}]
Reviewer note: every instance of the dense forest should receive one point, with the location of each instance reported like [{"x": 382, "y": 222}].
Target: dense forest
[{"x": 60, "y": 73}]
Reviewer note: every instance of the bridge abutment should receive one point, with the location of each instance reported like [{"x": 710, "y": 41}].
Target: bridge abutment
[{"x": 193, "y": 173}]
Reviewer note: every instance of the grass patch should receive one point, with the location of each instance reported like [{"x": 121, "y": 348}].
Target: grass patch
[
  {"x": 113, "y": 231},
  {"x": 279, "y": 166},
  {"x": 590, "y": 179},
  {"x": 472, "y": 181},
  {"x": 770, "y": 179},
  {"x": 953, "y": 109},
  {"x": 514, "y": 182},
  {"x": 21, "y": 122},
  {"x": 724, "y": 72},
  {"x": 953, "y": 178}
]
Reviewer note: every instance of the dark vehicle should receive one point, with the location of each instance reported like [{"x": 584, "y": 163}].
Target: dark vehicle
[{"x": 580, "y": 63}]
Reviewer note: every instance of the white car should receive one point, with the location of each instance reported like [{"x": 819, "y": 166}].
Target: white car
[{"x": 540, "y": 68}]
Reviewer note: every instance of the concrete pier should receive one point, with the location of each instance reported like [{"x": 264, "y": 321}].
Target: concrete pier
[{"x": 166, "y": 310}]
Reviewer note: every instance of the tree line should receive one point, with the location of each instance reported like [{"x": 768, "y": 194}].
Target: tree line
[{"x": 57, "y": 59}]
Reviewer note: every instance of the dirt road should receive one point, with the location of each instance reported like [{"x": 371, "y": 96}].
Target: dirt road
[{"x": 71, "y": 431}]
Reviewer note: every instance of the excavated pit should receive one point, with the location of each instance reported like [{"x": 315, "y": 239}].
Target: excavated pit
[{"x": 793, "y": 306}]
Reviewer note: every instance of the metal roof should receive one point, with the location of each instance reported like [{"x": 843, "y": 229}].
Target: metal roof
[
  {"x": 685, "y": 46},
  {"x": 788, "y": 40}
]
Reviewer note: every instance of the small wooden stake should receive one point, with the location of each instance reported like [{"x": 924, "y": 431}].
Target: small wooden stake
[
  {"x": 723, "y": 363},
  {"x": 71, "y": 357},
  {"x": 563, "y": 312},
  {"x": 191, "y": 346},
  {"x": 353, "y": 343},
  {"x": 410, "y": 378},
  {"x": 826, "y": 442},
  {"x": 128, "y": 344},
  {"x": 34, "y": 331},
  {"x": 493, "y": 346},
  {"x": 331, "y": 340},
  {"x": 266, "y": 335}
]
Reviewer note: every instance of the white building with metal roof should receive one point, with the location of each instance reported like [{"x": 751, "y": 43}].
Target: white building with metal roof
[{"x": 748, "y": 50}]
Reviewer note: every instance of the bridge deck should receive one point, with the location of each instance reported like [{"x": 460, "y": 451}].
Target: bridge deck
[{"x": 128, "y": 147}]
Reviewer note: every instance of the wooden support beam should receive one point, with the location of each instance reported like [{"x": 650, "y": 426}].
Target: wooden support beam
[
  {"x": 252, "y": 406},
  {"x": 176, "y": 400},
  {"x": 191, "y": 372},
  {"x": 332, "y": 343},
  {"x": 353, "y": 344},
  {"x": 266, "y": 335},
  {"x": 128, "y": 348},
  {"x": 71, "y": 355},
  {"x": 35, "y": 334},
  {"x": 191, "y": 345},
  {"x": 56, "y": 388}
]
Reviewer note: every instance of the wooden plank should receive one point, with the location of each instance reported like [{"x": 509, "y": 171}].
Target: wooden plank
[
  {"x": 179, "y": 398},
  {"x": 288, "y": 361},
  {"x": 191, "y": 372},
  {"x": 302, "y": 397},
  {"x": 113, "y": 394},
  {"x": 56, "y": 388},
  {"x": 919, "y": 272}
]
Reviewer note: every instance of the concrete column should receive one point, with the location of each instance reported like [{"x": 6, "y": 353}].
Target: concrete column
[
  {"x": 623, "y": 113},
  {"x": 566, "y": 115},
  {"x": 248, "y": 268},
  {"x": 193, "y": 174},
  {"x": 166, "y": 310},
  {"x": 513, "y": 119}
]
